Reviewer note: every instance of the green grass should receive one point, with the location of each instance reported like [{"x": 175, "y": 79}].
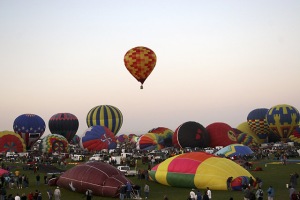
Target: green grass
[{"x": 276, "y": 175}]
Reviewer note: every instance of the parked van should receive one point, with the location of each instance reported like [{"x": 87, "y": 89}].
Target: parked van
[{"x": 78, "y": 158}]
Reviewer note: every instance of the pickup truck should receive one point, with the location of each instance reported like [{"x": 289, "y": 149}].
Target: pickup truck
[{"x": 127, "y": 171}]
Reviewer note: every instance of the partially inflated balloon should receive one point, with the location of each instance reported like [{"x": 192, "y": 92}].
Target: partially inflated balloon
[
  {"x": 11, "y": 142},
  {"x": 54, "y": 143},
  {"x": 221, "y": 134},
  {"x": 97, "y": 138},
  {"x": 197, "y": 170},
  {"x": 191, "y": 134},
  {"x": 150, "y": 141},
  {"x": 140, "y": 62}
]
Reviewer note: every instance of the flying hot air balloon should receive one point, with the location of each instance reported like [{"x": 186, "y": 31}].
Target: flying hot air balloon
[{"x": 140, "y": 62}]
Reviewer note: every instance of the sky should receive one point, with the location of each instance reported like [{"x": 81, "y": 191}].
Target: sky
[{"x": 216, "y": 60}]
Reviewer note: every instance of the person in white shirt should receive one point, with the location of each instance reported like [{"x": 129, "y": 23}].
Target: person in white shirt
[
  {"x": 17, "y": 197},
  {"x": 208, "y": 193},
  {"x": 193, "y": 195}
]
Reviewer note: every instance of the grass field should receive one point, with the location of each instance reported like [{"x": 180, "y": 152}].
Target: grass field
[{"x": 273, "y": 173}]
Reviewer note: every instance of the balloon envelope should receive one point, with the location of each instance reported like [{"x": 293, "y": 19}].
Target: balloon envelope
[
  {"x": 235, "y": 150},
  {"x": 65, "y": 124},
  {"x": 221, "y": 134},
  {"x": 197, "y": 170},
  {"x": 258, "y": 122},
  {"x": 30, "y": 127},
  {"x": 190, "y": 134},
  {"x": 140, "y": 62},
  {"x": 105, "y": 115},
  {"x": 282, "y": 120},
  {"x": 102, "y": 178},
  {"x": 54, "y": 143},
  {"x": 97, "y": 138},
  {"x": 11, "y": 142}
]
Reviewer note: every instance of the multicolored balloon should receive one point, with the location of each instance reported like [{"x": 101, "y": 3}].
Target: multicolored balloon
[
  {"x": 190, "y": 134},
  {"x": 97, "y": 138},
  {"x": 282, "y": 120},
  {"x": 245, "y": 128},
  {"x": 140, "y": 62},
  {"x": 105, "y": 115},
  {"x": 65, "y": 124},
  {"x": 245, "y": 139},
  {"x": 11, "y": 142},
  {"x": 238, "y": 183},
  {"x": 75, "y": 140},
  {"x": 221, "y": 134},
  {"x": 54, "y": 143},
  {"x": 235, "y": 150},
  {"x": 30, "y": 127},
  {"x": 197, "y": 170},
  {"x": 165, "y": 133},
  {"x": 150, "y": 141},
  {"x": 123, "y": 138},
  {"x": 295, "y": 136},
  {"x": 258, "y": 122}
]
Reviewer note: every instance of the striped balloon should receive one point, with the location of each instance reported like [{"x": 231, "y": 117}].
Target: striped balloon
[{"x": 105, "y": 115}]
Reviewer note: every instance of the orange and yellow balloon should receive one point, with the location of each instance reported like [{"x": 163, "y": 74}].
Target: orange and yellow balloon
[{"x": 140, "y": 62}]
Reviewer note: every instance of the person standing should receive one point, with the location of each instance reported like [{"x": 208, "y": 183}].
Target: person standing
[
  {"x": 89, "y": 194},
  {"x": 23, "y": 197},
  {"x": 209, "y": 193},
  {"x": 192, "y": 195},
  {"x": 17, "y": 197},
  {"x": 259, "y": 194},
  {"x": 128, "y": 190},
  {"x": 228, "y": 182},
  {"x": 199, "y": 195},
  {"x": 122, "y": 192},
  {"x": 38, "y": 178},
  {"x": 271, "y": 193},
  {"x": 146, "y": 191},
  {"x": 57, "y": 193},
  {"x": 49, "y": 194}
]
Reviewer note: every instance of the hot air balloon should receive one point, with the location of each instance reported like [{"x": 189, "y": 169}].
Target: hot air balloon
[
  {"x": 140, "y": 62},
  {"x": 235, "y": 150},
  {"x": 197, "y": 170},
  {"x": 105, "y": 115},
  {"x": 221, "y": 134},
  {"x": 123, "y": 138},
  {"x": 258, "y": 122},
  {"x": 295, "y": 136},
  {"x": 245, "y": 128},
  {"x": 75, "y": 140},
  {"x": 190, "y": 134},
  {"x": 65, "y": 124},
  {"x": 165, "y": 133},
  {"x": 97, "y": 138},
  {"x": 245, "y": 139},
  {"x": 30, "y": 127},
  {"x": 11, "y": 142},
  {"x": 102, "y": 178},
  {"x": 282, "y": 120},
  {"x": 54, "y": 143},
  {"x": 150, "y": 141}
]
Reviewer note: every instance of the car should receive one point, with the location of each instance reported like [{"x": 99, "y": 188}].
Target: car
[{"x": 126, "y": 170}]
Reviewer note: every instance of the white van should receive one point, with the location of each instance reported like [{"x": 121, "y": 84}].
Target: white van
[{"x": 78, "y": 158}]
